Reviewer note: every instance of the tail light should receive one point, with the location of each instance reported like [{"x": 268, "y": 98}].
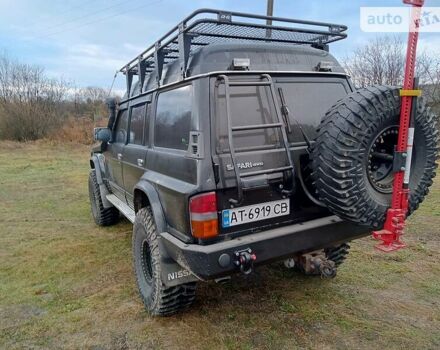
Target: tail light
[{"x": 203, "y": 213}]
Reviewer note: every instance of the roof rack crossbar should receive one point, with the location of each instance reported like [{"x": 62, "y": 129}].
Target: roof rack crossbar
[
  {"x": 194, "y": 32},
  {"x": 334, "y": 30}
]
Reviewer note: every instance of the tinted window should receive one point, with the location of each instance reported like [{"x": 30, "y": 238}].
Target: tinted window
[
  {"x": 249, "y": 105},
  {"x": 147, "y": 123},
  {"x": 121, "y": 127},
  {"x": 137, "y": 125},
  {"x": 173, "y": 118},
  {"x": 308, "y": 101}
]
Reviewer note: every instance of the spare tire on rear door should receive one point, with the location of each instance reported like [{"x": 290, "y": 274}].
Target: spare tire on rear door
[{"x": 353, "y": 155}]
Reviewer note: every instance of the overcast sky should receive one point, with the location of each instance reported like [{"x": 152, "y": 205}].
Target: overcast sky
[{"x": 85, "y": 42}]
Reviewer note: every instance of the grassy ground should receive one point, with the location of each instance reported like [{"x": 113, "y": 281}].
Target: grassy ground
[{"x": 66, "y": 283}]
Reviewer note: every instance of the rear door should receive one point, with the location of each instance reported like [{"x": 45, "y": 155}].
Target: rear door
[
  {"x": 308, "y": 99},
  {"x": 262, "y": 150},
  {"x": 256, "y": 150},
  {"x": 134, "y": 154},
  {"x": 115, "y": 153},
  {"x": 259, "y": 150}
]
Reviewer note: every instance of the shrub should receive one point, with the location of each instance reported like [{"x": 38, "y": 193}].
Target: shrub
[
  {"x": 29, "y": 101},
  {"x": 77, "y": 130}
]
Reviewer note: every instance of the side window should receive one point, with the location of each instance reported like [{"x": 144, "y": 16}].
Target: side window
[
  {"x": 137, "y": 125},
  {"x": 121, "y": 127},
  {"x": 173, "y": 118}
]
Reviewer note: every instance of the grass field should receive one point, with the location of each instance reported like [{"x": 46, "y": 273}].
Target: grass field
[{"x": 66, "y": 283}]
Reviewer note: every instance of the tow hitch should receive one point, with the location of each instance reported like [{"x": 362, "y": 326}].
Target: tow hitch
[
  {"x": 244, "y": 259},
  {"x": 316, "y": 263}
]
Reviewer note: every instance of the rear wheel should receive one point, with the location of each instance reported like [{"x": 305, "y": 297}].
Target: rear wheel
[
  {"x": 158, "y": 299},
  {"x": 352, "y": 158}
]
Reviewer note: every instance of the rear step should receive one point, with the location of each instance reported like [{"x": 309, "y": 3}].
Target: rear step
[{"x": 122, "y": 207}]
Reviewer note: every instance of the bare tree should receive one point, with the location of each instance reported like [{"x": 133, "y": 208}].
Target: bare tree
[
  {"x": 428, "y": 69},
  {"x": 378, "y": 62},
  {"x": 29, "y": 101},
  {"x": 94, "y": 94},
  {"x": 90, "y": 102},
  {"x": 382, "y": 62}
]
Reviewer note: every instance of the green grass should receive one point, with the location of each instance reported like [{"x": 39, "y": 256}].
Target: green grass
[{"x": 66, "y": 283}]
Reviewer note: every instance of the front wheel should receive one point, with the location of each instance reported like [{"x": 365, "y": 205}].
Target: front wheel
[
  {"x": 102, "y": 216},
  {"x": 158, "y": 299}
]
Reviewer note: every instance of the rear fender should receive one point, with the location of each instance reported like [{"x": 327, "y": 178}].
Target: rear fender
[
  {"x": 97, "y": 163},
  {"x": 173, "y": 274}
]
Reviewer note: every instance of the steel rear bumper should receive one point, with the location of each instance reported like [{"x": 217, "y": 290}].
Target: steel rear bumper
[{"x": 274, "y": 244}]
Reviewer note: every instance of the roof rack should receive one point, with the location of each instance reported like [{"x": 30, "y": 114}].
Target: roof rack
[{"x": 208, "y": 26}]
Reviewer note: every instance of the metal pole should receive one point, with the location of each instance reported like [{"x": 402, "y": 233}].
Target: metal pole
[
  {"x": 269, "y": 13},
  {"x": 396, "y": 215}
]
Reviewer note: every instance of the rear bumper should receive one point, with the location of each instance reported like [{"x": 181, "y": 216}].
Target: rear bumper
[{"x": 270, "y": 245}]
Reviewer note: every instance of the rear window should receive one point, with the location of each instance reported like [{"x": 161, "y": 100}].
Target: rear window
[
  {"x": 173, "y": 118},
  {"x": 308, "y": 100},
  {"x": 249, "y": 105}
]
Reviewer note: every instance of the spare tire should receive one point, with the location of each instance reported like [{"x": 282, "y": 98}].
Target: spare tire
[{"x": 353, "y": 155}]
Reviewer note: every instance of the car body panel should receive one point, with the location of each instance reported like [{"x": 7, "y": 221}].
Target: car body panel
[{"x": 167, "y": 177}]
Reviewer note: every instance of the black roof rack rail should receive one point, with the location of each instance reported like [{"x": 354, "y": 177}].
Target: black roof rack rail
[{"x": 208, "y": 26}]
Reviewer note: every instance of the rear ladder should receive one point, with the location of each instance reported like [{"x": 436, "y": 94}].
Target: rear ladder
[{"x": 231, "y": 129}]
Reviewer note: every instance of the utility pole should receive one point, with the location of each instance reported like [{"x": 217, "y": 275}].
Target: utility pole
[
  {"x": 269, "y": 21},
  {"x": 269, "y": 11}
]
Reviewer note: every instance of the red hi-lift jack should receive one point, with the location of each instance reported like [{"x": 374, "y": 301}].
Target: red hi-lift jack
[{"x": 392, "y": 231}]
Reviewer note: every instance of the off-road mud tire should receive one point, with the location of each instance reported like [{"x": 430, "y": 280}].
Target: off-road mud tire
[
  {"x": 340, "y": 154},
  {"x": 158, "y": 300},
  {"x": 102, "y": 216}
]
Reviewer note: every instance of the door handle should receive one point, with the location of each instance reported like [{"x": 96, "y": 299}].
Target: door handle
[
  {"x": 140, "y": 162},
  {"x": 119, "y": 156}
]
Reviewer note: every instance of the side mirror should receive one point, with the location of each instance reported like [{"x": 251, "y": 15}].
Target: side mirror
[{"x": 102, "y": 134}]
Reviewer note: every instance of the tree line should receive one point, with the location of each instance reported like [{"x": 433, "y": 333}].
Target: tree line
[
  {"x": 382, "y": 62},
  {"x": 35, "y": 106}
]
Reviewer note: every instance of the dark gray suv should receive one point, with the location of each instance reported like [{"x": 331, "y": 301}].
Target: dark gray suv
[{"x": 238, "y": 144}]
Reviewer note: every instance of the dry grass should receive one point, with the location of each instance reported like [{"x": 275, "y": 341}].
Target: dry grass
[
  {"x": 66, "y": 283},
  {"x": 77, "y": 130}
]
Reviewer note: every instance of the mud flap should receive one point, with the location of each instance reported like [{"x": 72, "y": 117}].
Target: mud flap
[{"x": 172, "y": 273}]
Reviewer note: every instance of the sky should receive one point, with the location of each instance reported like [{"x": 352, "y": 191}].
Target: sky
[{"x": 85, "y": 42}]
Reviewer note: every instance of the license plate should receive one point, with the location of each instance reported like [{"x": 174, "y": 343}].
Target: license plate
[{"x": 257, "y": 212}]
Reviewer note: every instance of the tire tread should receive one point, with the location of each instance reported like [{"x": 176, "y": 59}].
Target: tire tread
[
  {"x": 166, "y": 301},
  {"x": 341, "y": 143},
  {"x": 106, "y": 216}
]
